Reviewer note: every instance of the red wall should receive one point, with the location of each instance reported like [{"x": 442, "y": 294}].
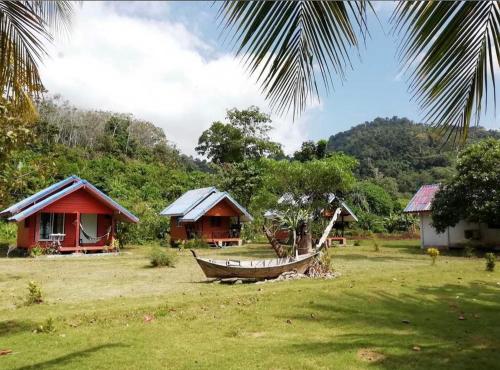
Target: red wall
[
  {"x": 203, "y": 227},
  {"x": 223, "y": 208},
  {"x": 78, "y": 201}
]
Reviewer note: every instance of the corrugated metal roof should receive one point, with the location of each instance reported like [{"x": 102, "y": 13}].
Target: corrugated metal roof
[
  {"x": 422, "y": 200},
  {"x": 187, "y": 201},
  {"x": 58, "y": 192},
  {"x": 193, "y": 204},
  {"x": 40, "y": 195}
]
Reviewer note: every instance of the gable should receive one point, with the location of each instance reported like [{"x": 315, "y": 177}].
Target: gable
[
  {"x": 81, "y": 201},
  {"x": 223, "y": 208}
]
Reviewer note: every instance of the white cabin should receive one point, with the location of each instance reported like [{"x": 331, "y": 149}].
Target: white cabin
[{"x": 456, "y": 236}]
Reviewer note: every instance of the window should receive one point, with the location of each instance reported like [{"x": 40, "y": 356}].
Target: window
[
  {"x": 215, "y": 221},
  {"x": 51, "y": 223}
]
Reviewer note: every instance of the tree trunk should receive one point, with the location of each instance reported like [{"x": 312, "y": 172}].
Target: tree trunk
[
  {"x": 305, "y": 244},
  {"x": 280, "y": 251}
]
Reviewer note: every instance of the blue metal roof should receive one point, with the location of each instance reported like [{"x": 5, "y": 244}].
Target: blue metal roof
[
  {"x": 56, "y": 192},
  {"x": 44, "y": 203},
  {"x": 193, "y": 204},
  {"x": 40, "y": 195},
  {"x": 187, "y": 201}
]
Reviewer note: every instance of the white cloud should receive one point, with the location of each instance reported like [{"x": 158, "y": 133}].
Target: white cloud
[{"x": 127, "y": 60}]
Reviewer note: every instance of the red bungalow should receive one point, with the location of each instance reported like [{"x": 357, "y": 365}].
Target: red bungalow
[
  {"x": 71, "y": 215},
  {"x": 206, "y": 213}
]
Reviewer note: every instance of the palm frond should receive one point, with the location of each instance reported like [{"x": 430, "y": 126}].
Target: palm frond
[
  {"x": 26, "y": 28},
  {"x": 288, "y": 44},
  {"x": 451, "y": 50}
]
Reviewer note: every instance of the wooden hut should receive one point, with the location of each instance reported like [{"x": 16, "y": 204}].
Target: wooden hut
[
  {"x": 71, "y": 215},
  {"x": 208, "y": 214}
]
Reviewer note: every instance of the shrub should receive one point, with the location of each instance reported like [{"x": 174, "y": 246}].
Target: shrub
[
  {"x": 47, "y": 327},
  {"x": 34, "y": 294},
  {"x": 37, "y": 251},
  {"x": 160, "y": 257},
  {"x": 468, "y": 250},
  {"x": 376, "y": 245},
  {"x": 357, "y": 243},
  {"x": 490, "y": 261},
  {"x": 433, "y": 253},
  {"x": 195, "y": 243},
  {"x": 7, "y": 231},
  {"x": 326, "y": 260}
]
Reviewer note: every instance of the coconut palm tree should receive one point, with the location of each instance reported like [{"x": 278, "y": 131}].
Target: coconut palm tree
[
  {"x": 26, "y": 29},
  {"x": 451, "y": 50}
]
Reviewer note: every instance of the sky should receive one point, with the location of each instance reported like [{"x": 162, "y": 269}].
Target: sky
[{"x": 169, "y": 63}]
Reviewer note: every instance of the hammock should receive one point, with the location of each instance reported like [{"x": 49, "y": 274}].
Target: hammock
[{"x": 94, "y": 238}]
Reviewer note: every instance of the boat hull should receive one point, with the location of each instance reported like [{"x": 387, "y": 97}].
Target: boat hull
[{"x": 219, "y": 271}]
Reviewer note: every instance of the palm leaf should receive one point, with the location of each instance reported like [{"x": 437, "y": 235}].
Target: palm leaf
[
  {"x": 26, "y": 28},
  {"x": 451, "y": 50},
  {"x": 288, "y": 44}
]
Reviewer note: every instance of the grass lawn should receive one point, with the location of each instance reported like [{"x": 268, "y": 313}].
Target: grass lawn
[{"x": 116, "y": 312}]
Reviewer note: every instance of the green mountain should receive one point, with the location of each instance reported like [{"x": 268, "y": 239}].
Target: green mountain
[{"x": 401, "y": 151}]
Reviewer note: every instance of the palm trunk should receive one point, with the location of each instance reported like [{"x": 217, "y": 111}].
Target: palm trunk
[{"x": 280, "y": 251}]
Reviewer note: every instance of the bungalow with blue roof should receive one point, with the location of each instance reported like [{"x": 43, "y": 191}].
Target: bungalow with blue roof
[
  {"x": 208, "y": 214},
  {"x": 71, "y": 215}
]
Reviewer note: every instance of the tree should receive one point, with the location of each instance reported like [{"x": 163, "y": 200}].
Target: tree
[
  {"x": 451, "y": 50},
  {"x": 244, "y": 137},
  {"x": 311, "y": 150},
  {"x": 473, "y": 194},
  {"x": 242, "y": 180},
  {"x": 26, "y": 27},
  {"x": 372, "y": 198},
  {"x": 304, "y": 188}
]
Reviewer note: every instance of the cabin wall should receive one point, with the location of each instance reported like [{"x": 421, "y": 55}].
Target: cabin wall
[
  {"x": 223, "y": 208},
  {"x": 26, "y": 232},
  {"x": 177, "y": 232},
  {"x": 203, "y": 227},
  {"x": 210, "y": 231},
  {"x": 454, "y": 236},
  {"x": 80, "y": 201}
]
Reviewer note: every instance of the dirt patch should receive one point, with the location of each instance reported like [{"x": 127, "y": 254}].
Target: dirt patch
[{"x": 369, "y": 355}]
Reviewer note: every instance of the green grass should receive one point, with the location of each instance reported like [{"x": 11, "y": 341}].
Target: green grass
[{"x": 102, "y": 306}]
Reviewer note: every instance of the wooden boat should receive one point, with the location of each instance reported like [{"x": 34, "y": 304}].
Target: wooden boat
[{"x": 254, "y": 269}]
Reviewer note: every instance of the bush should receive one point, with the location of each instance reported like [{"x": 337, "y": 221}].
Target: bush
[
  {"x": 490, "y": 261},
  {"x": 468, "y": 251},
  {"x": 47, "y": 327},
  {"x": 161, "y": 257},
  {"x": 37, "y": 251},
  {"x": 433, "y": 253},
  {"x": 357, "y": 243},
  {"x": 34, "y": 294},
  {"x": 7, "y": 231},
  {"x": 376, "y": 245},
  {"x": 195, "y": 243}
]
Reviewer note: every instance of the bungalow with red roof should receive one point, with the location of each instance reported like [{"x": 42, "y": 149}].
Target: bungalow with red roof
[
  {"x": 456, "y": 236},
  {"x": 208, "y": 214},
  {"x": 71, "y": 215}
]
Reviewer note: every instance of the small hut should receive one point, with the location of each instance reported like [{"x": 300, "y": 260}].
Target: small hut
[
  {"x": 71, "y": 215},
  {"x": 208, "y": 214}
]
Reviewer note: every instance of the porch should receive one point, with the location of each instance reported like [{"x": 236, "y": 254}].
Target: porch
[{"x": 67, "y": 232}]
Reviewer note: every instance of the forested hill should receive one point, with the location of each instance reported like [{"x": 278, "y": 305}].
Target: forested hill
[{"x": 399, "y": 149}]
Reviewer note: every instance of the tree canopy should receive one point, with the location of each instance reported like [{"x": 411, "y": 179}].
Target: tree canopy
[
  {"x": 473, "y": 194},
  {"x": 245, "y": 136}
]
